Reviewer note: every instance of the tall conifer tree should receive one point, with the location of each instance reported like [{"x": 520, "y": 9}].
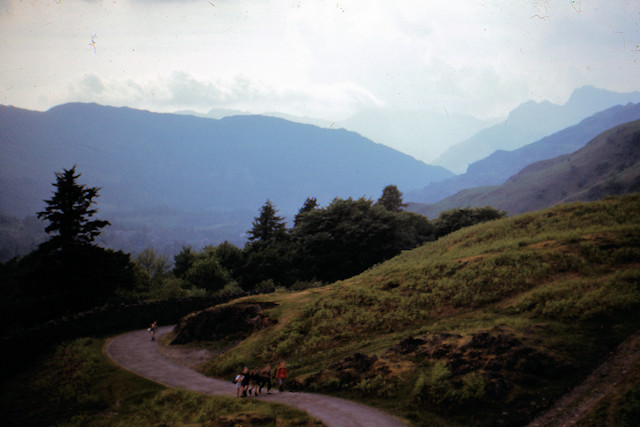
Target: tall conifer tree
[{"x": 69, "y": 212}]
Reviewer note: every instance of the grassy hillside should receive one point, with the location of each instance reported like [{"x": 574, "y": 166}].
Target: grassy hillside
[{"x": 485, "y": 326}]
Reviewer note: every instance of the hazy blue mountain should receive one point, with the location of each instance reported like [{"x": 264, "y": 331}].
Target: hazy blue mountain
[
  {"x": 530, "y": 122},
  {"x": 499, "y": 166},
  {"x": 163, "y": 171},
  {"x": 419, "y": 133},
  {"x": 608, "y": 165}
]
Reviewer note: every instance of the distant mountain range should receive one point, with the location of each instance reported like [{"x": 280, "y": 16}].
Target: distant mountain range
[
  {"x": 530, "y": 122},
  {"x": 170, "y": 180},
  {"x": 418, "y": 132},
  {"x": 608, "y": 165},
  {"x": 500, "y": 165},
  {"x": 186, "y": 179}
]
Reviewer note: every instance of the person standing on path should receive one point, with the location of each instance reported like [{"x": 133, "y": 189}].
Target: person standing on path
[
  {"x": 153, "y": 330},
  {"x": 281, "y": 376}
]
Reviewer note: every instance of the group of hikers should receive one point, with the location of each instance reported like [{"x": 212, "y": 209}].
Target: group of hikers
[
  {"x": 248, "y": 382},
  {"x": 252, "y": 382}
]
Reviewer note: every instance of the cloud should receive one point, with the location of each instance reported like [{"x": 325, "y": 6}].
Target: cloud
[
  {"x": 180, "y": 91},
  {"x": 322, "y": 58}
]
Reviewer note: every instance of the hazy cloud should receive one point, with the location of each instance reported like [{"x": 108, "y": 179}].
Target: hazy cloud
[
  {"x": 318, "y": 58},
  {"x": 182, "y": 91}
]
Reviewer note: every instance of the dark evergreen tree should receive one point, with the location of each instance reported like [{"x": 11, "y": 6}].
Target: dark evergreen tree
[
  {"x": 69, "y": 212},
  {"x": 69, "y": 273},
  {"x": 391, "y": 199},
  {"x": 310, "y": 204},
  {"x": 268, "y": 226},
  {"x": 268, "y": 254}
]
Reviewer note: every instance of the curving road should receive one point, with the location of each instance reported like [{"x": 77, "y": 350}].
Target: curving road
[{"x": 137, "y": 353}]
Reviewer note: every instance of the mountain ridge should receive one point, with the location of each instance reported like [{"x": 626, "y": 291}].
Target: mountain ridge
[
  {"x": 530, "y": 122},
  {"x": 496, "y": 168},
  {"x": 608, "y": 165}
]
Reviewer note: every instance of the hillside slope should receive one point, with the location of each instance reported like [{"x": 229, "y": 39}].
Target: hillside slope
[
  {"x": 496, "y": 168},
  {"x": 607, "y": 165},
  {"x": 486, "y": 326}
]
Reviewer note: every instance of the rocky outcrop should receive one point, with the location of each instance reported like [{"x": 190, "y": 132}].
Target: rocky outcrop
[{"x": 229, "y": 322}]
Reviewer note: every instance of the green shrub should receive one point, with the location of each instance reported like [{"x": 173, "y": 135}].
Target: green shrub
[
  {"x": 378, "y": 386},
  {"x": 438, "y": 387},
  {"x": 629, "y": 408},
  {"x": 265, "y": 287},
  {"x": 473, "y": 388},
  {"x": 231, "y": 288}
]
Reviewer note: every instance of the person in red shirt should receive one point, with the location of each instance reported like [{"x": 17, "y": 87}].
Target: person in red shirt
[{"x": 281, "y": 375}]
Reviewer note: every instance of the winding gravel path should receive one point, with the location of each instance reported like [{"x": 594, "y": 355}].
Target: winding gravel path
[{"x": 137, "y": 353}]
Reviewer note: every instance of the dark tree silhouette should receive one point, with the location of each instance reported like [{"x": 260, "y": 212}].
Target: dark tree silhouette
[
  {"x": 68, "y": 273},
  {"x": 349, "y": 236},
  {"x": 69, "y": 212},
  {"x": 267, "y": 255},
  {"x": 310, "y": 204},
  {"x": 391, "y": 199},
  {"x": 268, "y": 226}
]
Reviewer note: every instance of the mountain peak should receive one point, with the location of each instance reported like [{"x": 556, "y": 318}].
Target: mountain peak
[{"x": 590, "y": 95}]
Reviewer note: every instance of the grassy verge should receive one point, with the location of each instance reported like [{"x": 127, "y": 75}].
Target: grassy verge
[{"x": 77, "y": 385}]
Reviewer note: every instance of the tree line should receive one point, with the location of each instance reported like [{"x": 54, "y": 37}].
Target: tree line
[{"x": 69, "y": 273}]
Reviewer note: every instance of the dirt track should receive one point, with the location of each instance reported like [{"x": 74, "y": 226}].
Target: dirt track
[
  {"x": 138, "y": 354},
  {"x": 571, "y": 408}
]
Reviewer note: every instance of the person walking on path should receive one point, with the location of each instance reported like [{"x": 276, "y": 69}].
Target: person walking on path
[
  {"x": 253, "y": 382},
  {"x": 153, "y": 330},
  {"x": 265, "y": 379},
  {"x": 245, "y": 381},
  {"x": 281, "y": 376},
  {"x": 238, "y": 381}
]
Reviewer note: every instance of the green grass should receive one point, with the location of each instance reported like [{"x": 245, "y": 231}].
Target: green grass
[
  {"x": 77, "y": 385},
  {"x": 564, "y": 281}
]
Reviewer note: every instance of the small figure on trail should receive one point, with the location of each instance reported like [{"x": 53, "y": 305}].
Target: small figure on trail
[
  {"x": 153, "y": 330},
  {"x": 281, "y": 376},
  {"x": 264, "y": 378},
  {"x": 253, "y": 382},
  {"x": 238, "y": 382},
  {"x": 245, "y": 381}
]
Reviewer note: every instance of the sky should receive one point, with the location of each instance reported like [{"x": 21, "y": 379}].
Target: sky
[{"x": 322, "y": 59}]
